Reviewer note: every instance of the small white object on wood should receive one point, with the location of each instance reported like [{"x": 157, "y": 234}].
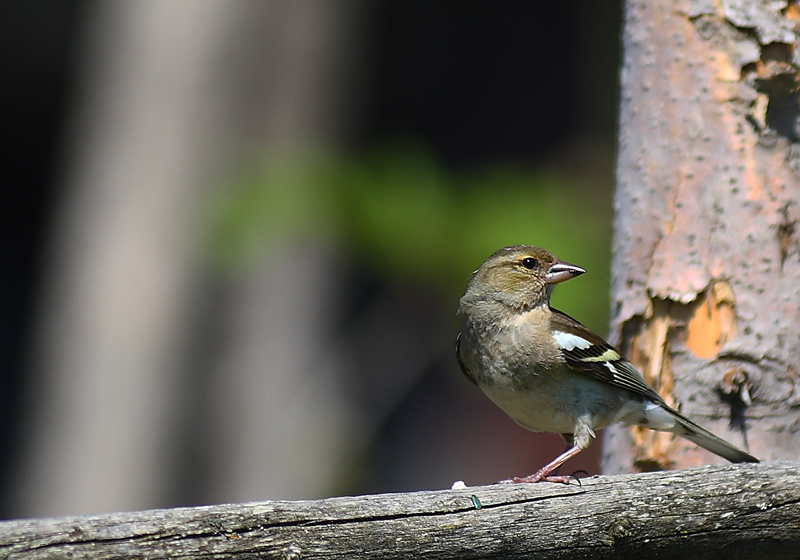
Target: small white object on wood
[{"x": 722, "y": 511}]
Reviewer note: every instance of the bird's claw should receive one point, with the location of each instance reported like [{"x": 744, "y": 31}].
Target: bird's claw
[{"x": 542, "y": 477}]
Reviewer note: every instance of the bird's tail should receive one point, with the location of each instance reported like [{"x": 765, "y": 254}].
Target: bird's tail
[{"x": 705, "y": 439}]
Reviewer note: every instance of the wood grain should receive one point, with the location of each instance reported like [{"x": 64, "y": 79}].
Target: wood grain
[{"x": 732, "y": 512}]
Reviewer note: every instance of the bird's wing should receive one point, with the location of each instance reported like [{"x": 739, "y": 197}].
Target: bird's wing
[
  {"x": 467, "y": 373},
  {"x": 587, "y": 353}
]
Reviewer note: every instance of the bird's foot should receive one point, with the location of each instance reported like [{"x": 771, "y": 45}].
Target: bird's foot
[
  {"x": 545, "y": 474},
  {"x": 543, "y": 477}
]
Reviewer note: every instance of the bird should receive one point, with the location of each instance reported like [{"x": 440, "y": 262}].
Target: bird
[{"x": 549, "y": 372}]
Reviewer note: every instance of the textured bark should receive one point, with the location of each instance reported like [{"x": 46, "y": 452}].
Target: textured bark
[
  {"x": 706, "y": 268},
  {"x": 732, "y": 512}
]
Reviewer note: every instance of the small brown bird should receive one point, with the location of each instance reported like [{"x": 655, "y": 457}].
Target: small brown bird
[{"x": 548, "y": 371}]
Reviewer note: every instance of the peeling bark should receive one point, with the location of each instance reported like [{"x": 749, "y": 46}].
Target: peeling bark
[{"x": 706, "y": 269}]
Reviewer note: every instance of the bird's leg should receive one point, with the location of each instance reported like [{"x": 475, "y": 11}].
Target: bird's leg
[
  {"x": 569, "y": 439},
  {"x": 543, "y": 474}
]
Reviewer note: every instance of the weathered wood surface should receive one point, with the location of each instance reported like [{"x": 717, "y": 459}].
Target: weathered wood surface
[{"x": 723, "y": 511}]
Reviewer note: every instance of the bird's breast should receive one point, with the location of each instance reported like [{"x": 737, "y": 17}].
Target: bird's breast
[{"x": 530, "y": 381}]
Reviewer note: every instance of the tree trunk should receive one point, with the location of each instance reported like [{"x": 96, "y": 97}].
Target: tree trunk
[
  {"x": 706, "y": 267},
  {"x": 126, "y": 389}
]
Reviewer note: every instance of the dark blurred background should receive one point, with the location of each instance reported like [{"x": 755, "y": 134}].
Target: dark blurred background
[{"x": 236, "y": 235}]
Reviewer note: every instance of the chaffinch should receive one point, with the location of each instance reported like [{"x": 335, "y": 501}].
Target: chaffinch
[{"x": 548, "y": 371}]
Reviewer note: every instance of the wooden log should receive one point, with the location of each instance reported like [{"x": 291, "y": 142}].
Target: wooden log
[{"x": 723, "y": 511}]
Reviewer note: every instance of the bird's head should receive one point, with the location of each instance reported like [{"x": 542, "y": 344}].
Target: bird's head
[{"x": 520, "y": 276}]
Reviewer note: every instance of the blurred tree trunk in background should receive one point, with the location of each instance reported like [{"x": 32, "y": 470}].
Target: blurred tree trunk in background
[
  {"x": 276, "y": 418},
  {"x": 171, "y": 94},
  {"x": 706, "y": 267}
]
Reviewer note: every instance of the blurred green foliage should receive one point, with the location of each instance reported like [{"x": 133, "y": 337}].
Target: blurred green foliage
[{"x": 401, "y": 213}]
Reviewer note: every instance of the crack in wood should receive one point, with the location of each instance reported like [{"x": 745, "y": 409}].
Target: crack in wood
[{"x": 609, "y": 517}]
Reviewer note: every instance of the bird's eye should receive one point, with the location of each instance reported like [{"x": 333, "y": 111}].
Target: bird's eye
[{"x": 529, "y": 263}]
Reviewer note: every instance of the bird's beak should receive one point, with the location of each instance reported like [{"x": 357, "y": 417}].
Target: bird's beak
[{"x": 561, "y": 271}]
